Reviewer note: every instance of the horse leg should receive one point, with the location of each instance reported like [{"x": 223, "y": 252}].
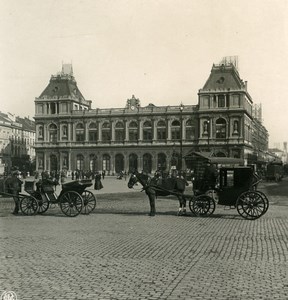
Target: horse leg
[
  {"x": 151, "y": 196},
  {"x": 182, "y": 206}
]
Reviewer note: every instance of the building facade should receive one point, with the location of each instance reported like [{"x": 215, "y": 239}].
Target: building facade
[
  {"x": 17, "y": 142},
  {"x": 70, "y": 135}
]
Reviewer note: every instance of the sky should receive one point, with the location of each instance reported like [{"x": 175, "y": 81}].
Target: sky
[{"x": 161, "y": 51}]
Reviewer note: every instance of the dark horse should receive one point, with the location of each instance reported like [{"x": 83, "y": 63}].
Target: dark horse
[{"x": 154, "y": 187}]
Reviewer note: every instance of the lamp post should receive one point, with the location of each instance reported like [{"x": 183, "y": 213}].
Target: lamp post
[
  {"x": 181, "y": 107},
  {"x": 208, "y": 131}
]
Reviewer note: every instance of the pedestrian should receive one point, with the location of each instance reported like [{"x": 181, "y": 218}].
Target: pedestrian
[
  {"x": 14, "y": 184},
  {"x": 103, "y": 174},
  {"x": 98, "y": 184}
]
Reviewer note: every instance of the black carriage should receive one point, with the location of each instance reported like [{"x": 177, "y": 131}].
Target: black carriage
[
  {"x": 237, "y": 188},
  {"x": 73, "y": 199}
]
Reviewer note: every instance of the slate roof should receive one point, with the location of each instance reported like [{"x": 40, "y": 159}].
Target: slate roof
[
  {"x": 27, "y": 124},
  {"x": 62, "y": 85},
  {"x": 224, "y": 77}
]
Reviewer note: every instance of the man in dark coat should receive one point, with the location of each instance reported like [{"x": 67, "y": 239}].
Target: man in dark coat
[{"x": 13, "y": 186}]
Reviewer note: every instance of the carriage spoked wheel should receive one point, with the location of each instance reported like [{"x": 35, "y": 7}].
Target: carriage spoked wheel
[
  {"x": 251, "y": 205},
  {"x": 28, "y": 205},
  {"x": 43, "y": 203},
  {"x": 265, "y": 200},
  {"x": 71, "y": 203},
  {"x": 89, "y": 202},
  {"x": 202, "y": 205}
]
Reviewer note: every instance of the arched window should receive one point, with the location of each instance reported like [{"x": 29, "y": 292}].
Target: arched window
[
  {"x": 106, "y": 162},
  {"x": 80, "y": 133},
  {"x": 93, "y": 162},
  {"x": 161, "y": 130},
  {"x": 147, "y": 131},
  {"x": 147, "y": 163},
  {"x": 80, "y": 162},
  {"x": 53, "y": 163},
  {"x": 119, "y": 132},
  {"x": 175, "y": 130},
  {"x": 133, "y": 132},
  {"x": 119, "y": 163},
  {"x": 92, "y": 132},
  {"x": 133, "y": 162},
  {"x": 161, "y": 161},
  {"x": 220, "y": 129},
  {"x": 106, "y": 132},
  {"x": 190, "y": 130},
  {"x": 53, "y": 133}
]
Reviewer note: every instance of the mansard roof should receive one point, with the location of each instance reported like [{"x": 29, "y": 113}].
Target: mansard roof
[
  {"x": 62, "y": 86},
  {"x": 224, "y": 77}
]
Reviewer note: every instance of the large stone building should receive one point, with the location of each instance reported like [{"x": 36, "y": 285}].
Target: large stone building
[
  {"x": 17, "y": 141},
  {"x": 71, "y": 135}
]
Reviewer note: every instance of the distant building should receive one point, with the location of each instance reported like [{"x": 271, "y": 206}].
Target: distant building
[
  {"x": 71, "y": 135},
  {"x": 17, "y": 140}
]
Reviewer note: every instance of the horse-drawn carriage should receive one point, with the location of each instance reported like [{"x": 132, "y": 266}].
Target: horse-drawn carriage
[
  {"x": 73, "y": 198},
  {"x": 237, "y": 189}
]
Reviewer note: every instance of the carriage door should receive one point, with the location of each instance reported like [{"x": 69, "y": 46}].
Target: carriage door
[
  {"x": 53, "y": 163},
  {"x": 133, "y": 162}
]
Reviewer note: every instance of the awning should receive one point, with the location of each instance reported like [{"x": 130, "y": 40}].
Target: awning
[{"x": 214, "y": 160}]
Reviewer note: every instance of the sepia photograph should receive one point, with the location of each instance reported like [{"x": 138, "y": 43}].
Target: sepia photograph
[{"x": 143, "y": 150}]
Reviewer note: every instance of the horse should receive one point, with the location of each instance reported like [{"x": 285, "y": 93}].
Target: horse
[{"x": 154, "y": 187}]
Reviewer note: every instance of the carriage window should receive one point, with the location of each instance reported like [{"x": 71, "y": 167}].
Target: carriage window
[{"x": 227, "y": 178}]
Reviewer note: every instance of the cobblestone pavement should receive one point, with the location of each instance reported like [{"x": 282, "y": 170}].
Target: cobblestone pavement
[{"x": 119, "y": 252}]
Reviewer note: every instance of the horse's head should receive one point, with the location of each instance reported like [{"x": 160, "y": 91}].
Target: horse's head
[
  {"x": 132, "y": 180},
  {"x": 138, "y": 177}
]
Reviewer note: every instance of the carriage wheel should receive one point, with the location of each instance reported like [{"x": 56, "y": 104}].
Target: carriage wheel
[
  {"x": 266, "y": 201},
  {"x": 89, "y": 202},
  {"x": 43, "y": 203},
  {"x": 28, "y": 205},
  {"x": 202, "y": 205},
  {"x": 251, "y": 205},
  {"x": 71, "y": 203}
]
